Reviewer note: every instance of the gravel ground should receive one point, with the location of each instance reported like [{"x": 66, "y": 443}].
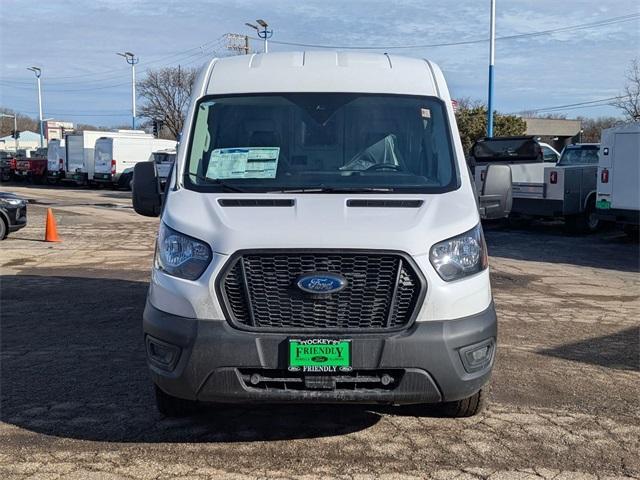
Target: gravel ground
[{"x": 77, "y": 402}]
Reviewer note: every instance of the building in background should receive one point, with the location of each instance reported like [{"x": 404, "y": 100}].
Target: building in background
[
  {"x": 556, "y": 132},
  {"x": 28, "y": 141},
  {"x": 53, "y": 129}
]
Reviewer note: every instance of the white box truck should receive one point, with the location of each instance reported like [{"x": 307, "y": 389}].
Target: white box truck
[
  {"x": 114, "y": 155},
  {"x": 619, "y": 176},
  {"x": 80, "y": 153},
  {"x": 320, "y": 239},
  {"x": 56, "y": 160}
]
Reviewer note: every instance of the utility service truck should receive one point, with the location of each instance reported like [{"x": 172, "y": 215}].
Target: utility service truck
[
  {"x": 619, "y": 177},
  {"x": 566, "y": 189}
]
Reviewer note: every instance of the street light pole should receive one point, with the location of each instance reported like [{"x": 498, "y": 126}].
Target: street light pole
[
  {"x": 264, "y": 34},
  {"x": 492, "y": 47},
  {"x": 38, "y": 72},
  {"x": 132, "y": 60}
]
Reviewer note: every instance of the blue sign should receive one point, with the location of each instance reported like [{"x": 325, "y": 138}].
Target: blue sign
[{"x": 321, "y": 283}]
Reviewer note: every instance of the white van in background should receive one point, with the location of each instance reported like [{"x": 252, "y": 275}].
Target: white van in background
[
  {"x": 56, "y": 159},
  {"x": 113, "y": 155},
  {"x": 619, "y": 177},
  {"x": 80, "y": 164}
]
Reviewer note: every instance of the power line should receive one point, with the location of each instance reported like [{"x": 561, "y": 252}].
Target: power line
[
  {"x": 571, "y": 106},
  {"x": 582, "y": 26}
]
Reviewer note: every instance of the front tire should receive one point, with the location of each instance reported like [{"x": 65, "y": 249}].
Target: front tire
[
  {"x": 467, "y": 407},
  {"x": 585, "y": 222},
  {"x": 4, "y": 230},
  {"x": 171, "y": 406}
]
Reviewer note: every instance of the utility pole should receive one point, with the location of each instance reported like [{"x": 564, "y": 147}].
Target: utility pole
[
  {"x": 492, "y": 48},
  {"x": 132, "y": 60},
  {"x": 263, "y": 33},
  {"x": 238, "y": 43},
  {"x": 38, "y": 72},
  {"x": 15, "y": 128}
]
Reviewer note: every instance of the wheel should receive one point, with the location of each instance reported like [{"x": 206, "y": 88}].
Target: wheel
[
  {"x": 171, "y": 406},
  {"x": 5, "y": 176},
  {"x": 4, "y": 230},
  {"x": 467, "y": 407},
  {"x": 584, "y": 222}
]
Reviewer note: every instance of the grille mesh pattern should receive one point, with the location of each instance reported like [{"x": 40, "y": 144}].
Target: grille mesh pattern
[{"x": 367, "y": 302}]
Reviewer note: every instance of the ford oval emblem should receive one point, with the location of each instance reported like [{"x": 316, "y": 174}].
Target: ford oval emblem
[{"x": 321, "y": 283}]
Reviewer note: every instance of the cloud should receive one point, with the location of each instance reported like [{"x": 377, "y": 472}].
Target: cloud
[{"x": 77, "y": 41}]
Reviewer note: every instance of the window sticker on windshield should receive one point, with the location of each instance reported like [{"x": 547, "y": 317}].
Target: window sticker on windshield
[
  {"x": 425, "y": 113},
  {"x": 244, "y": 162}
]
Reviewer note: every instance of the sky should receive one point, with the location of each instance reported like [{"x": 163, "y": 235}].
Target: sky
[{"x": 84, "y": 81}]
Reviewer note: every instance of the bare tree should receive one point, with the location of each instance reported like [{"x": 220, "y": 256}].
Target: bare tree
[
  {"x": 166, "y": 93},
  {"x": 24, "y": 122},
  {"x": 629, "y": 100}
]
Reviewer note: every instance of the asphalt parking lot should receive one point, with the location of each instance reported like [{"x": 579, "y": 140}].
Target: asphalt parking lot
[{"x": 77, "y": 402}]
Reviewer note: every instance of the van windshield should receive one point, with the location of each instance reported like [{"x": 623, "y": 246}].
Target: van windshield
[{"x": 326, "y": 142}]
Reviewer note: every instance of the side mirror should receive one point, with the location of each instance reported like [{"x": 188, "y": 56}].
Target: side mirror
[
  {"x": 146, "y": 196},
  {"x": 495, "y": 198}
]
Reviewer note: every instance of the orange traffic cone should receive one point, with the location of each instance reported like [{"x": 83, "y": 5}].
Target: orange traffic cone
[{"x": 51, "y": 231}]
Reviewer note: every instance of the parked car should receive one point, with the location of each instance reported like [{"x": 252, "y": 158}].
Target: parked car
[
  {"x": 13, "y": 213},
  {"x": 113, "y": 155},
  {"x": 619, "y": 177},
  {"x": 7, "y": 166},
  {"x": 544, "y": 188},
  {"x": 320, "y": 239},
  {"x": 32, "y": 166}
]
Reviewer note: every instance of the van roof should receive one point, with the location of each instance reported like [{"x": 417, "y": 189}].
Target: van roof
[{"x": 322, "y": 71}]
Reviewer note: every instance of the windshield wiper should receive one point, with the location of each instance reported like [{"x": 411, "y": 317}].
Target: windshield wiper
[
  {"x": 216, "y": 181},
  {"x": 335, "y": 190}
]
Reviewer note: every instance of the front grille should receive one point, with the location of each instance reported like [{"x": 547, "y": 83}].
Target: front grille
[{"x": 259, "y": 292}]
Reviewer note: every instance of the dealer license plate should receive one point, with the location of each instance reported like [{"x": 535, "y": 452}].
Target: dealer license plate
[{"x": 319, "y": 355}]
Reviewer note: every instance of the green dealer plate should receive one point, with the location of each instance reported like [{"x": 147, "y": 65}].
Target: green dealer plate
[{"x": 319, "y": 355}]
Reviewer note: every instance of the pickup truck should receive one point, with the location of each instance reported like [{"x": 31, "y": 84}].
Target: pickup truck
[
  {"x": 7, "y": 166},
  {"x": 34, "y": 167}
]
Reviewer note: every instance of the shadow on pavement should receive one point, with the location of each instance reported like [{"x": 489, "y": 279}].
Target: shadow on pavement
[
  {"x": 620, "y": 350},
  {"x": 72, "y": 365},
  {"x": 547, "y": 242}
]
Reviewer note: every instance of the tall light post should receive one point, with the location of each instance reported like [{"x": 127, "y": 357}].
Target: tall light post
[
  {"x": 15, "y": 127},
  {"x": 132, "y": 60},
  {"x": 492, "y": 48},
  {"x": 38, "y": 72},
  {"x": 263, "y": 33}
]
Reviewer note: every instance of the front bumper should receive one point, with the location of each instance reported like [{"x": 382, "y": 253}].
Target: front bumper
[
  {"x": 16, "y": 216},
  {"x": 212, "y": 361},
  {"x": 627, "y": 217}
]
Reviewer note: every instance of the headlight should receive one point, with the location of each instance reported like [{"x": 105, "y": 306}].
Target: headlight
[
  {"x": 460, "y": 256},
  {"x": 180, "y": 255},
  {"x": 14, "y": 202}
]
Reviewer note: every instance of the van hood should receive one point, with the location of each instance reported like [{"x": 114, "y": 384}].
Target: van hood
[{"x": 320, "y": 220}]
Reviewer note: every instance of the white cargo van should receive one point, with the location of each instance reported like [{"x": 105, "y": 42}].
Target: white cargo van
[
  {"x": 80, "y": 152},
  {"x": 56, "y": 158},
  {"x": 113, "y": 155},
  {"x": 619, "y": 176},
  {"x": 320, "y": 239}
]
